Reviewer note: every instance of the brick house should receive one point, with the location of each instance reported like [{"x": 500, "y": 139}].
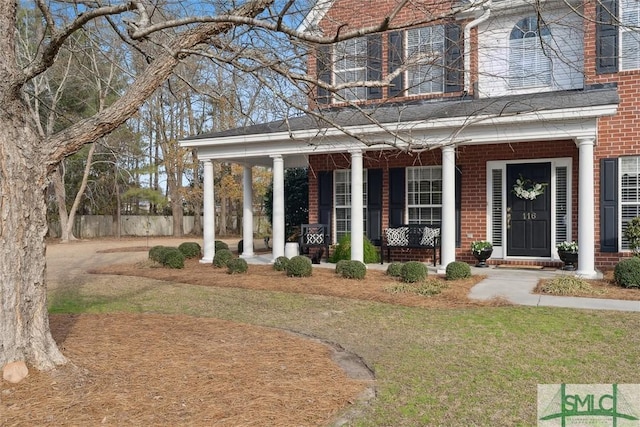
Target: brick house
[{"x": 491, "y": 100}]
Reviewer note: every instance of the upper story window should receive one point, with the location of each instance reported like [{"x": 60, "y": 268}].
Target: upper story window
[
  {"x": 350, "y": 61},
  {"x": 432, "y": 57},
  {"x": 425, "y": 54},
  {"x": 529, "y": 63},
  {"x": 629, "y": 34},
  {"x": 430, "y": 60},
  {"x": 350, "y": 65}
]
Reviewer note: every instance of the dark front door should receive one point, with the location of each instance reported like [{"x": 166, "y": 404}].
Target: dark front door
[{"x": 529, "y": 213}]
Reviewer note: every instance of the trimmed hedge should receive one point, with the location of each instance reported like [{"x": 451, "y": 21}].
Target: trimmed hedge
[
  {"x": 299, "y": 266},
  {"x": 414, "y": 271},
  {"x": 457, "y": 270},
  {"x": 280, "y": 264},
  {"x": 237, "y": 266},
  {"x": 627, "y": 273},
  {"x": 340, "y": 265},
  {"x": 352, "y": 269},
  {"x": 190, "y": 249},
  {"x": 155, "y": 253},
  {"x": 395, "y": 269},
  {"x": 219, "y": 244},
  {"x": 222, "y": 257},
  {"x": 172, "y": 258}
]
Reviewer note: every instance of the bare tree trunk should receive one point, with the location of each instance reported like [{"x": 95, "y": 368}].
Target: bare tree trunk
[
  {"x": 66, "y": 231},
  {"x": 116, "y": 216},
  {"x": 66, "y": 221},
  {"x": 24, "y": 322}
]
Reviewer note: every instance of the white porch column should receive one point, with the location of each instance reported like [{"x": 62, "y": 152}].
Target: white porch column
[
  {"x": 586, "y": 207},
  {"x": 209, "y": 215},
  {"x": 247, "y": 213},
  {"x": 357, "y": 220},
  {"x": 277, "y": 227},
  {"x": 448, "y": 226}
]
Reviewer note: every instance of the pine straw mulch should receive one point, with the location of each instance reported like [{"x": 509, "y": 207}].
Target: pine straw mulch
[
  {"x": 324, "y": 281},
  {"x": 158, "y": 370},
  {"x": 605, "y": 288}
]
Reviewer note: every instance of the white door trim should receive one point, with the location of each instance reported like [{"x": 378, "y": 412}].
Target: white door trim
[{"x": 499, "y": 250}]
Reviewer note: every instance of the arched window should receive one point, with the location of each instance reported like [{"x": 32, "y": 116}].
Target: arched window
[{"x": 529, "y": 63}]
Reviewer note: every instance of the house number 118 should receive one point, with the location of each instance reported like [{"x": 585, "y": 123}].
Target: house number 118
[{"x": 528, "y": 215}]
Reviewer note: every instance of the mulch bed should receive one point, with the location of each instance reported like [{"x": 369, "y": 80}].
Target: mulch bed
[
  {"x": 146, "y": 369},
  {"x": 324, "y": 281}
]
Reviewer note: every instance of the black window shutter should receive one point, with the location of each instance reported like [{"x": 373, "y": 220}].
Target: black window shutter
[
  {"x": 324, "y": 70},
  {"x": 325, "y": 197},
  {"x": 458, "y": 207},
  {"x": 609, "y": 205},
  {"x": 606, "y": 36},
  {"x": 374, "y": 64},
  {"x": 453, "y": 71},
  {"x": 374, "y": 205},
  {"x": 396, "y": 196},
  {"x": 396, "y": 55}
]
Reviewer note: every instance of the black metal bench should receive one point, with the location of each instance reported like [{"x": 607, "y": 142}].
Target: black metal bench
[
  {"x": 314, "y": 237},
  {"x": 414, "y": 236}
]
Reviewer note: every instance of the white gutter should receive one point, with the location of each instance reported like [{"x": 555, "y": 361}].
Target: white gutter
[{"x": 467, "y": 44}]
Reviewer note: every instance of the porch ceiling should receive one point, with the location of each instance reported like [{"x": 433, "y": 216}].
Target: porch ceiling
[{"x": 546, "y": 116}]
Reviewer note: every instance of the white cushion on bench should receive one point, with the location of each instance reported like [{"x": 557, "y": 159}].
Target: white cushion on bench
[
  {"x": 397, "y": 236},
  {"x": 314, "y": 239},
  {"x": 429, "y": 236}
]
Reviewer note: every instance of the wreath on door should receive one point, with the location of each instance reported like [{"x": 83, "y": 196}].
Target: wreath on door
[{"x": 526, "y": 189}]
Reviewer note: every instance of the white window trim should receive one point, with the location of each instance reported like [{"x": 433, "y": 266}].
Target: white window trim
[
  {"x": 528, "y": 87},
  {"x": 337, "y": 97},
  {"x": 499, "y": 252},
  {"x": 621, "y": 31},
  {"x": 619, "y": 185},
  {"x": 405, "y": 54},
  {"x": 406, "y": 191},
  {"x": 334, "y": 216}
]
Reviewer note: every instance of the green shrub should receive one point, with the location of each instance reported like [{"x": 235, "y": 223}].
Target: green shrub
[
  {"x": 413, "y": 271},
  {"x": 457, "y": 270},
  {"x": 237, "y": 265},
  {"x": 352, "y": 269},
  {"x": 172, "y": 258},
  {"x": 222, "y": 257},
  {"x": 632, "y": 234},
  {"x": 155, "y": 253},
  {"x": 299, "y": 266},
  {"x": 219, "y": 244},
  {"x": 280, "y": 264},
  {"x": 395, "y": 269},
  {"x": 190, "y": 249},
  {"x": 340, "y": 265},
  {"x": 343, "y": 250},
  {"x": 627, "y": 273}
]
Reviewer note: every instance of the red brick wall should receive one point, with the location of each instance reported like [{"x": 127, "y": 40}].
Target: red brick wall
[
  {"x": 348, "y": 15},
  {"x": 617, "y": 136},
  {"x": 472, "y": 161}
]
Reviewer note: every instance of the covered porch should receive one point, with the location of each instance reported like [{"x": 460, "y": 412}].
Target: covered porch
[{"x": 445, "y": 126}]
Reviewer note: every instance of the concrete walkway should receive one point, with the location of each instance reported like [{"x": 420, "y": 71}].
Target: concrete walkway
[{"x": 516, "y": 286}]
